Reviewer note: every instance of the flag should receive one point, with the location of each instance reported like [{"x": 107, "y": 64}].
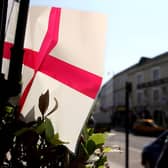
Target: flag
[{"x": 64, "y": 56}]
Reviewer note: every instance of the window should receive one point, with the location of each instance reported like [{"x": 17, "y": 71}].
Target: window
[
  {"x": 139, "y": 98},
  {"x": 164, "y": 90},
  {"x": 155, "y": 74},
  {"x": 139, "y": 78},
  {"x": 117, "y": 83},
  {"x": 156, "y": 95}
]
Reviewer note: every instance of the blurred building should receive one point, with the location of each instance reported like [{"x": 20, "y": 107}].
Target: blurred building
[
  {"x": 102, "y": 109},
  {"x": 149, "y": 96}
]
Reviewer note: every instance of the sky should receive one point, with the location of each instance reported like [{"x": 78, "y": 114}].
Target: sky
[{"x": 135, "y": 28}]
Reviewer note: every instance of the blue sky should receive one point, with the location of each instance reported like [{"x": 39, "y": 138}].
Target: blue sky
[{"x": 135, "y": 28}]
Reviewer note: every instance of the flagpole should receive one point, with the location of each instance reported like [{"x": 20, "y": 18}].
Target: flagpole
[
  {"x": 17, "y": 51},
  {"x": 3, "y": 82},
  {"x": 3, "y": 15}
]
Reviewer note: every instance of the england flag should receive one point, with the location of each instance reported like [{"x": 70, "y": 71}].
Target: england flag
[{"x": 64, "y": 56}]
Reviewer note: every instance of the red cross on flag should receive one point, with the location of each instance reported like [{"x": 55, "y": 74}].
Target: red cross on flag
[{"x": 64, "y": 54}]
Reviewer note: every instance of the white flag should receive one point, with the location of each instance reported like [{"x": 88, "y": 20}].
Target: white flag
[{"x": 64, "y": 54}]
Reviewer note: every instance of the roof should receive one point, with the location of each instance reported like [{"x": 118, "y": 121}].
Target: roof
[{"x": 143, "y": 60}]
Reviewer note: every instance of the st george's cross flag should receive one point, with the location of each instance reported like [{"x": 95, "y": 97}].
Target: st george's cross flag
[{"x": 64, "y": 55}]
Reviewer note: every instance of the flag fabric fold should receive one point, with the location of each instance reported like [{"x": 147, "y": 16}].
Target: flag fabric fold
[
  {"x": 64, "y": 54},
  {"x": 48, "y": 44}
]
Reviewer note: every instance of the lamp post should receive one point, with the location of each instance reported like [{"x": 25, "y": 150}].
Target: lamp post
[{"x": 128, "y": 89}]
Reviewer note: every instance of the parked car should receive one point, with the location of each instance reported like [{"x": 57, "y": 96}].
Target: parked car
[
  {"x": 147, "y": 127},
  {"x": 98, "y": 126},
  {"x": 162, "y": 160},
  {"x": 102, "y": 121},
  {"x": 151, "y": 151}
]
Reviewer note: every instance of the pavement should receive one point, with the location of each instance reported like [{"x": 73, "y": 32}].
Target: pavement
[
  {"x": 114, "y": 165},
  {"x": 115, "y": 152},
  {"x": 116, "y": 157}
]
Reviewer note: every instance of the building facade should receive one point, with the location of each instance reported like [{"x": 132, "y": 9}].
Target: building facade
[
  {"x": 149, "y": 95},
  {"x": 102, "y": 109}
]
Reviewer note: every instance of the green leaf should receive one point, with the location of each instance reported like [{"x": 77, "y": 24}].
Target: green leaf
[
  {"x": 22, "y": 131},
  {"x": 98, "y": 138},
  {"x": 90, "y": 131},
  {"x": 9, "y": 109},
  {"x": 91, "y": 146},
  {"x": 89, "y": 166},
  {"x": 102, "y": 166},
  {"x": 49, "y": 130},
  {"x": 44, "y": 102},
  {"x": 101, "y": 161},
  {"x": 84, "y": 149},
  {"x": 40, "y": 128},
  {"x": 107, "y": 149},
  {"x": 85, "y": 134},
  {"x": 95, "y": 141},
  {"x": 56, "y": 141}
]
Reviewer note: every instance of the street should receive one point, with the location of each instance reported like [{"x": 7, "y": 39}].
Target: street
[{"x": 116, "y": 159}]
